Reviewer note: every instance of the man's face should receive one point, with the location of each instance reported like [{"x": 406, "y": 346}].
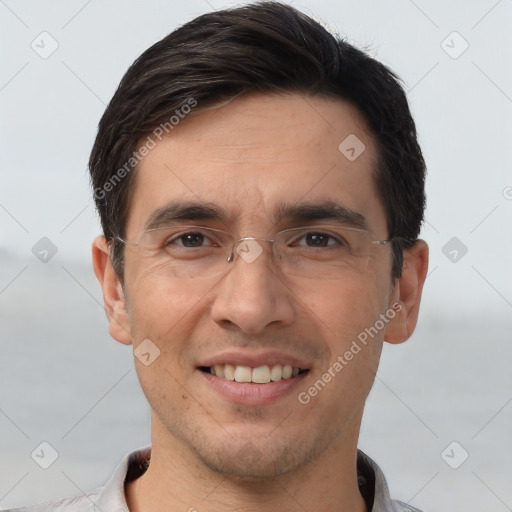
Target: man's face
[{"x": 249, "y": 159}]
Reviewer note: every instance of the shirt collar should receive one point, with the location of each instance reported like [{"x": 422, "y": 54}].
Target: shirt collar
[{"x": 112, "y": 496}]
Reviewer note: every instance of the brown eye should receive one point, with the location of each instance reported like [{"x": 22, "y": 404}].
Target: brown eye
[
  {"x": 192, "y": 239},
  {"x": 317, "y": 239}
]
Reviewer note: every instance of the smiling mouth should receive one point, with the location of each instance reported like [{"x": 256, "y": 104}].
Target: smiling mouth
[{"x": 259, "y": 375}]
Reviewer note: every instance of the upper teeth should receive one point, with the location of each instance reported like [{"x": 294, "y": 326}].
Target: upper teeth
[{"x": 259, "y": 375}]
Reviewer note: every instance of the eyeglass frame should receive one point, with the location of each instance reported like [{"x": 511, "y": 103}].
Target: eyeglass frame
[{"x": 235, "y": 243}]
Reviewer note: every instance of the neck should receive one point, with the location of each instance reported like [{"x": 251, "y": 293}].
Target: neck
[{"x": 177, "y": 480}]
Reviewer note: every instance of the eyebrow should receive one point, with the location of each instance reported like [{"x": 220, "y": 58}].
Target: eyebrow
[
  {"x": 284, "y": 213},
  {"x": 188, "y": 210},
  {"x": 309, "y": 211}
]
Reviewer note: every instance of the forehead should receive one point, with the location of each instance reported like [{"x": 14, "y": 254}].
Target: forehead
[{"x": 260, "y": 153}]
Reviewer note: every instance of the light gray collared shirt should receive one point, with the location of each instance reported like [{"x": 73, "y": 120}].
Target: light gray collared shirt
[{"x": 111, "y": 496}]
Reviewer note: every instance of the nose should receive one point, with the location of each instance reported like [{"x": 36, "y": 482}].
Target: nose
[{"x": 252, "y": 295}]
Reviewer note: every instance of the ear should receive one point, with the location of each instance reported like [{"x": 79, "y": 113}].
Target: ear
[
  {"x": 406, "y": 296},
  {"x": 113, "y": 293}
]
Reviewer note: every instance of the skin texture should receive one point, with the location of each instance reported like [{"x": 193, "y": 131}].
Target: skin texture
[{"x": 208, "y": 452}]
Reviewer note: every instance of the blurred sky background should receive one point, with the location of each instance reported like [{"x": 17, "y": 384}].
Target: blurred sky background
[{"x": 67, "y": 383}]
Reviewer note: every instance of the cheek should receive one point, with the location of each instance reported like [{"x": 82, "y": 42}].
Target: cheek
[
  {"x": 167, "y": 315},
  {"x": 342, "y": 309},
  {"x": 344, "y": 314},
  {"x": 162, "y": 310}
]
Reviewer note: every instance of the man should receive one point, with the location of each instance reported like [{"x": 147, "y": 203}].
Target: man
[{"x": 261, "y": 192}]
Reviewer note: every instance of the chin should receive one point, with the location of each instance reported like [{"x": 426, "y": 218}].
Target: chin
[{"x": 256, "y": 461}]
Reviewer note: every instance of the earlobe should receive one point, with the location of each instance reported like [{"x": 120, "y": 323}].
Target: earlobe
[
  {"x": 113, "y": 293},
  {"x": 406, "y": 296}
]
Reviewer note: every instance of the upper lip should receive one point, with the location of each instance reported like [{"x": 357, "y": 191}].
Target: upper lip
[{"x": 253, "y": 360}]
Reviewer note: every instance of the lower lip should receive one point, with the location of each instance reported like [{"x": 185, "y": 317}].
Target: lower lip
[{"x": 246, "y": 393}]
